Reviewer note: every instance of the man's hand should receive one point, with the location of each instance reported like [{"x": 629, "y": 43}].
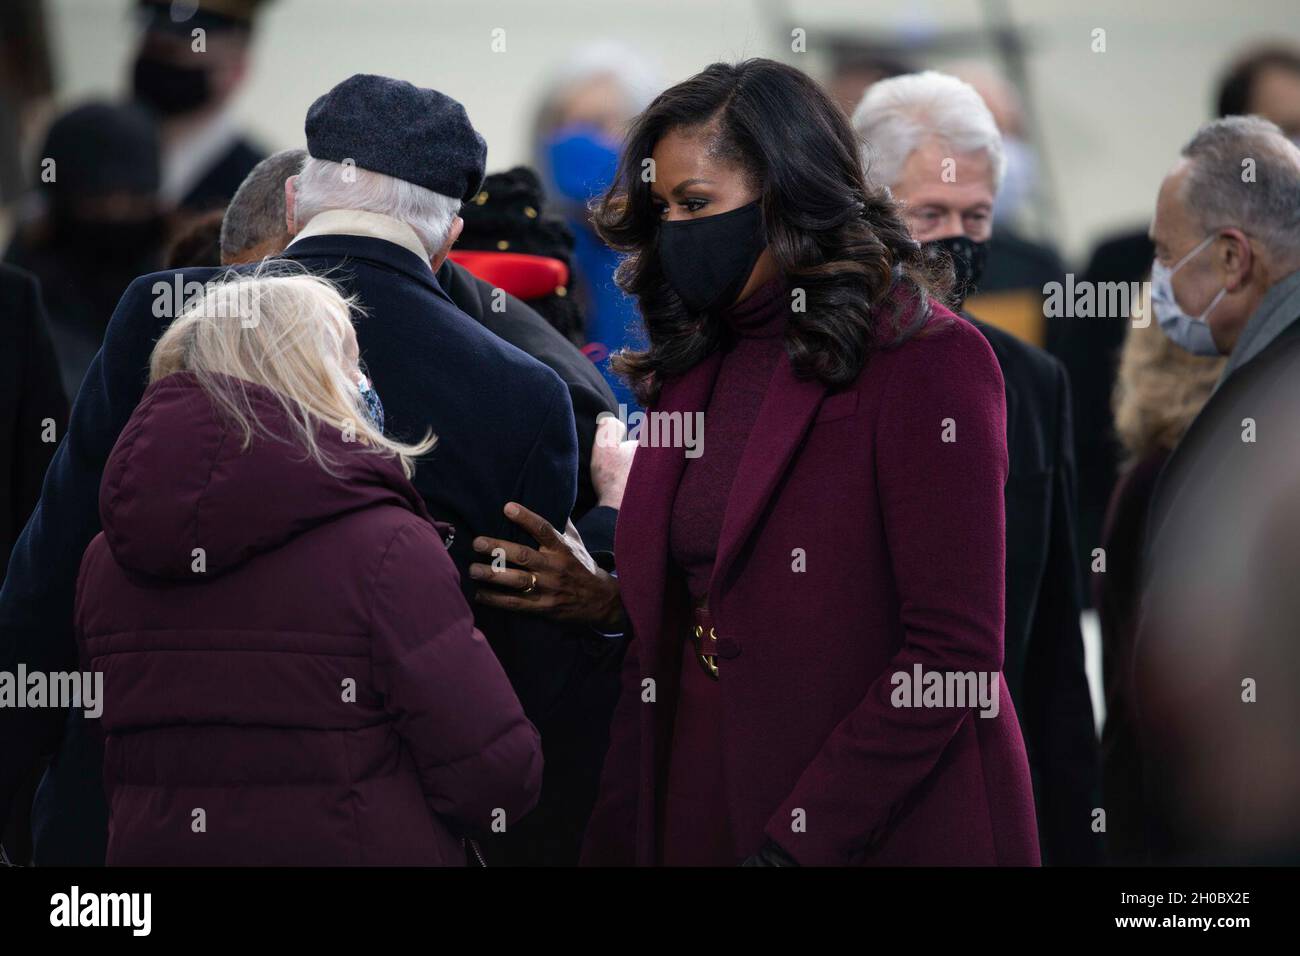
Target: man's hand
[
  {"x": 611, "y": 460},
  {"x": 558, "y": 580}
]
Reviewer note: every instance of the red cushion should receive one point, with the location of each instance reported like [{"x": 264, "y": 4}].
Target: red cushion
[{"x": 523, "y": 276}]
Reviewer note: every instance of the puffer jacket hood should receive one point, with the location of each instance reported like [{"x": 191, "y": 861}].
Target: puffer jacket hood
[{"x": 179, "y": 479}]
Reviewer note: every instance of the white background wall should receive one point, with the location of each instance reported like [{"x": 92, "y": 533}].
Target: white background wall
[{"x": 1111, "y": 122}]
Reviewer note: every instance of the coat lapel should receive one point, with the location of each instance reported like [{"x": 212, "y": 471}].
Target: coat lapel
[
  {"x": 641, "y": 536},
  {"x": 783, "y": 420}
]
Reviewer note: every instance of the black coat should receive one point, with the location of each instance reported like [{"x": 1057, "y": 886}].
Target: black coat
[
  {"x": 523, "y": 328},
  {"x": 30, "y": 393},
  {"x": 1044, "y": 659},
  {"x": 506, "y": 432},
  {"x": 1090, "y": 349},
  {"x": 575, "y": 735},
  {"x": 1219, "y": 603}
]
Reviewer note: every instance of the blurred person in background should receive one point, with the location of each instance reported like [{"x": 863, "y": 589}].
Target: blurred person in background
[
  {"x": 1159, "y": 390},
  {"x": 911, "y": 126},
  {"x": 101, "y": 224},
  {"x": 258, "y": 385},
  {"x": 1264, "y": 81},
  {"x": 855, "y": 66},
  {"x": 821, "y": 540},
  {"x": 188, "y": 83},
  {"x": 577, "y": 132},
  {"x": 34, "y": 404},
  {"x": 1020, "y": 179},
  {"x": 1018, "y": 266},
  {"x": 35, "y": 411},
  {"x": 1011, "y": 296},
  {"x": 1216, "y": 669},
  {"x": 504, "y": 420},
  {"x": 26, "y": 85}
]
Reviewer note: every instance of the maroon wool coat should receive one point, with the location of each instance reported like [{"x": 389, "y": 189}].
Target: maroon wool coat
[
  {"x": 902, "y": 534},
  {"x": 224, "y": 689}
]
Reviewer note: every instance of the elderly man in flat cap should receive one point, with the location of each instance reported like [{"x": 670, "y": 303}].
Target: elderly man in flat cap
[
  {"x": 254, "y": 227},
  {"x": 375, "y": 207}
]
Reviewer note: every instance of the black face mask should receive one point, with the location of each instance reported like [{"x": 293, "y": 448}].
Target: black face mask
[
  {"x": 968, "y": 258},
  {"x": 169, "y": 89},
  {"x": 707, "y": 261}
]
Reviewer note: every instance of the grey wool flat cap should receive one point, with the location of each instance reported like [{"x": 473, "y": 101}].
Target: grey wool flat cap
[{"x": 393, "y": 127}]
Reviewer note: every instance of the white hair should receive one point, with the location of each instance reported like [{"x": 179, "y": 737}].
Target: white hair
[
  {"x": 324, "y": 185},
  {"x": 898, "y": 115},
  {"x": 1219, "y": 194}
]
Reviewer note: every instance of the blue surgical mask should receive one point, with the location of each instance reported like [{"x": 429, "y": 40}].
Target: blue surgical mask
[
  {"x": 1189, "y": 332},
  {"x": 370, "y": 402},
  {"x": 583, "y": 161}
]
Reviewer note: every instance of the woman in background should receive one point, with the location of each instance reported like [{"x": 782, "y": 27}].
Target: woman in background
[
  {"x": 1160, "y": 389},
  {"x": 291, "y": 673}
]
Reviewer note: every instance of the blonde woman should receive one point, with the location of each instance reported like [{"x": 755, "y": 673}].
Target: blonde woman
[
  {"x": 1161, "y": 387},
  {"x": 291, "y": 673}
]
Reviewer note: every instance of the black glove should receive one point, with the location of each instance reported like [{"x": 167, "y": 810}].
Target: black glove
[{"x": 771, "y": 854}]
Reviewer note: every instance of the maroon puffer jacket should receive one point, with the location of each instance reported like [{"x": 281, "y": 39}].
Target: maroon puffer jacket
[{"x": 309, "y": 687}]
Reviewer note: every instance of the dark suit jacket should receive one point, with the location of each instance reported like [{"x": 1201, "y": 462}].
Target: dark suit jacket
[
  {"x": 505, "y": 429},
  {"x": 903, "y": 540},
  {"x": 1219, "y": 604},
  {"x": 1044, "y": 645},
  {"x": 1090, "y": 348}
]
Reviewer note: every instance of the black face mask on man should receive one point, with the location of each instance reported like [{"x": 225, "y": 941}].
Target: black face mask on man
[
  {"x": 707, "y": 261},
  {"x": 968, "y": 258},
  {"x": 170, "y": 89}
]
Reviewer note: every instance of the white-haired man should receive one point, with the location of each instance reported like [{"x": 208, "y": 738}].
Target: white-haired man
[{"x": 932, "y": 140}]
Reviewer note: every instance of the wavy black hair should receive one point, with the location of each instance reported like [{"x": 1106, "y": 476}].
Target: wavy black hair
[{"x": 831, "y": 233}]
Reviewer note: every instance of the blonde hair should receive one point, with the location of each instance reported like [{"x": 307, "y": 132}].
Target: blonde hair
[
  {"x": 290, "y": 333},
  {"x": 1160, "y": 388}
]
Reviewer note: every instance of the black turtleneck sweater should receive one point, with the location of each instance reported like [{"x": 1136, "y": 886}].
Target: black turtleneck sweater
[{"x": 749, "y": 359}]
